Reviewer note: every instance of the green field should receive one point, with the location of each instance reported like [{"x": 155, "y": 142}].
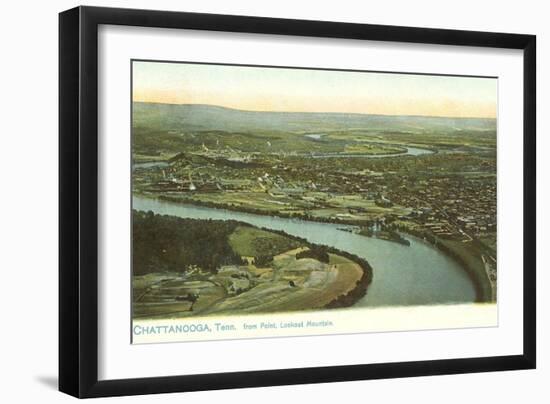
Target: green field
[{"x": 253, "y": 242}]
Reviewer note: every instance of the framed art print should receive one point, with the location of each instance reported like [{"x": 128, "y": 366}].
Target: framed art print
[{"x": 248, "y": 201}]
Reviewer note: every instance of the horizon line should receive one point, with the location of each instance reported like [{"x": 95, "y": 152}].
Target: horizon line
[{"x": 317, "y": 112}]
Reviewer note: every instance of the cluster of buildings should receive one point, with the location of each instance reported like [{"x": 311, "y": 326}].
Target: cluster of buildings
[
  {"x": 452, "y": 203},
  {"x": 445, "y": 201}
]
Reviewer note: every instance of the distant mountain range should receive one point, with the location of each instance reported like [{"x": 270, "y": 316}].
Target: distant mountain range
[{"x": 197, "y": 117}]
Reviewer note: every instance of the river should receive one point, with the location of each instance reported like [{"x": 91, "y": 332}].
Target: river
[
  {"x": 411, "y": 151},
  {"x": 418, "y": 274}
]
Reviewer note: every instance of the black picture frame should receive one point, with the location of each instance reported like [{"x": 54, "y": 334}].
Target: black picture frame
[{"x": 78, "y": 200}]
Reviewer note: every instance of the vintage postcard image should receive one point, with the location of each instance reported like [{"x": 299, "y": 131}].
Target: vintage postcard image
[{"x": 275, "y": 201}]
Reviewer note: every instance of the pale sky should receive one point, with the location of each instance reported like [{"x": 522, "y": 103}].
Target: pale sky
[{"x": 298, "y": 90}]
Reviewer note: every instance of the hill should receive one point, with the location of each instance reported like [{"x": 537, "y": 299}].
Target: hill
[{"x": 195, "y": 117}]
